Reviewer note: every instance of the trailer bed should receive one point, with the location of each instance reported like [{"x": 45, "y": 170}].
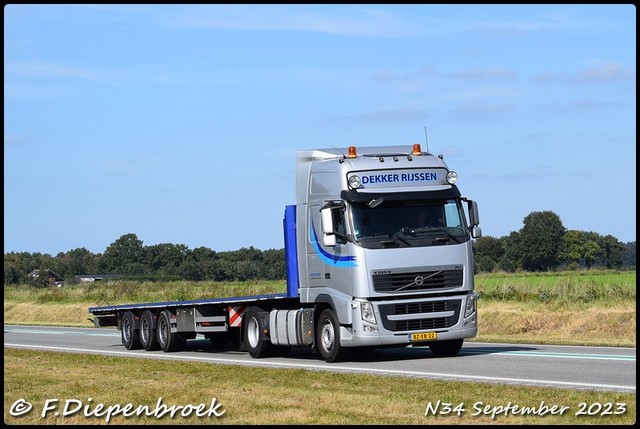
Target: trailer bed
[{"x": 110, "y": 309}]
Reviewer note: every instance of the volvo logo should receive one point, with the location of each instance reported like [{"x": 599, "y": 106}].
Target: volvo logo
[{"x": 419, "y": 280}]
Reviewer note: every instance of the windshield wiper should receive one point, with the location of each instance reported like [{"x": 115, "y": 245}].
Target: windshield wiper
[
  {"x": 391, "y": 235},
  {"x": 449, "y": 235},
  {"x": 396, "y": 235}
]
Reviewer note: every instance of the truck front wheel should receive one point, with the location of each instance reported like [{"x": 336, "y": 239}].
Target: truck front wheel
[
  {"x": 257, "y": 345},
  {"x": 130, "y": 335},
  {"x": 328, "y": 337}
]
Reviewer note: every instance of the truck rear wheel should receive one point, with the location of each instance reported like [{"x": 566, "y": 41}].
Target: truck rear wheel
[
  {"x": 148, "y": 335},
  {"x": 446, "y": 348},
  {"x": 328, "y": 337},
  {"x": 168, "y": 341},
  {"x": 130, "y": 335},
  {"x": 256, "y": 343}
]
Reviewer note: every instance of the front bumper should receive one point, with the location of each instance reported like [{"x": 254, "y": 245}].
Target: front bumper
[{"x": 450, "y": 318}]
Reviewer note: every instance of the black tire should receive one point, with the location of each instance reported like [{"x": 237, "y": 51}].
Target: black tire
[
  {"x": 129, "y": 333},
  {"x": 446, "y": 348},
  {"x": 148, "y": 334},
  {"x": 255, "y": 340},
  {"x": 167, "y": 341},
  {"x": 328, "y": 337}
]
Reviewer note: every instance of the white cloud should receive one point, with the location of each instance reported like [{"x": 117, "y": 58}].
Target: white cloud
[
  {"x": 389, "y": 76},
  {"x": 51, "y": 70},
  {"x": 477, "y": 110},
  {"x": 511, "y": 28},
  {"x": 605, "y": 72},
  {"x": 483, "y": 74},
  {"x": 14, "y": 141},
  {"x": 579, "y": 105},
  {"x": 346, "y": 21},
  {"x": 400, "y": 114}
]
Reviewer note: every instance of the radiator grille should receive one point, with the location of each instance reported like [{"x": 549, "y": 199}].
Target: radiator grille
[{"x": 417, "y": 281}]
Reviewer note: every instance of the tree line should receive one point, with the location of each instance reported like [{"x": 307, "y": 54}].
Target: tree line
[
  {"x": 542, "y": 244},
  {"x": 130, "y": 259}
]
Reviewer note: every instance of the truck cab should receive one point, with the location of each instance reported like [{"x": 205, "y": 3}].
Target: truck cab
[{"x": 384, "y": 250}]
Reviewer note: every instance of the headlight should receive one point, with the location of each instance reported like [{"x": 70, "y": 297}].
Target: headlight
[
  {"x": 452, "y": 177},
  {"x": 366, "y": 310},
  {"x": 471, "y": 305},
  {"x": 355, "y": 182}
]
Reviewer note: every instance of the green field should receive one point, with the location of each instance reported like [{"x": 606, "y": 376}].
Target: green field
[
  {"x": 591, "y": 308},
  {"x": 565, "y": 308}
]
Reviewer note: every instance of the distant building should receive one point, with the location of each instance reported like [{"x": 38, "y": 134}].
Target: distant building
[
  {"x": 88, "y": 278},
  {"x": 52, "y": 277}
]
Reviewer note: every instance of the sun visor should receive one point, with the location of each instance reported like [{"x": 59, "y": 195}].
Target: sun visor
[{"x": 359, "y": 197}]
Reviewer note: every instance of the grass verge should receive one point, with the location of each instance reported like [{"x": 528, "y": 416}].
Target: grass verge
[{"x": 249, "y": 395}]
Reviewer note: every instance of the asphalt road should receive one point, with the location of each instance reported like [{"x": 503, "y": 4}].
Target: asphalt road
[{"x": 587, "y": 368}]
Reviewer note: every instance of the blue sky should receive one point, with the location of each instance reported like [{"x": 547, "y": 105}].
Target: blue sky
[{"x": 180, "y": 123}]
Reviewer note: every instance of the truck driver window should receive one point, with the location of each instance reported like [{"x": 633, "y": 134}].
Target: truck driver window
[{"x": 338, "y": 225}]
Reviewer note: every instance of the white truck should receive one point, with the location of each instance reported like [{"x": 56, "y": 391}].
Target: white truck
[{"x": 378, "y": 254}]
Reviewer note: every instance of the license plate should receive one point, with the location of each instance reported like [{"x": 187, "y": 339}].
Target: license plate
[{"x": 423, "y": 336}]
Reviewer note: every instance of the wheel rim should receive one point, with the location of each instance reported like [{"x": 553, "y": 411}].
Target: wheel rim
[
  {"x": 327, "y": 337},
  {"x": 253, "y": 332},
  {"x": 163, "y": 332},
  {"x": 126, "y": 330},
  {"x": 144, "y": 332}
]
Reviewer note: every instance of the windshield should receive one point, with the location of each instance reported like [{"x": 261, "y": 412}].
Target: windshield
[{"x": 408, "y": 223}]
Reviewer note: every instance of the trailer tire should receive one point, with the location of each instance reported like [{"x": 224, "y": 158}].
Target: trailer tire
[
  {"x": 446, "y": 348},
  {"x": 168, "y": 341},
  {"x": 328, "y": 337},
  {"x": 130, "y": 335},
  {"x": 148, "y": 334},
  {"x": 254, "y": 338}
]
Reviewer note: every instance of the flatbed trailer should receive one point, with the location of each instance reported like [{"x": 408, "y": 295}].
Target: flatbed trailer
[{"x": 167, "y": 325}]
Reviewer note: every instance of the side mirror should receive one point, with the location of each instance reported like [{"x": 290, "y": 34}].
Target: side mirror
[
  {"x": 474, "y": 219},
  {"x": 474, "y": 216},
  {"x": 328, "y": 235}
]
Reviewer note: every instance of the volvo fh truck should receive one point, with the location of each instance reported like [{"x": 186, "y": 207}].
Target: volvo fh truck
[{"x": 378, "y": 250}]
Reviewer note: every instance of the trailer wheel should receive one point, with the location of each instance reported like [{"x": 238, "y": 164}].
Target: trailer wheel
[
  {"x": 130, "y": 336},
  {"x": 446, "y": 348},
  {"x": 328, "y": 337},
  {"x": 168, "y": 341},
  {"x": 257, "y": 345},
  {"x": 148, "y": 335}
]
